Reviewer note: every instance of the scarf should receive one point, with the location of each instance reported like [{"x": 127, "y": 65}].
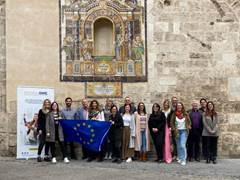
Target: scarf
[{"x": 179, "y": 114}]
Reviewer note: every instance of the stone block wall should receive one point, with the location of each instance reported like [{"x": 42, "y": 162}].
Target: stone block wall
[
  {"x": 193, "y": 52},
  {"x": 3, "y": 117}
]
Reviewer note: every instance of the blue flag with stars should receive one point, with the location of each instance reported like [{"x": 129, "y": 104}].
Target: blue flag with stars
[{"x": 91, "y": 134}]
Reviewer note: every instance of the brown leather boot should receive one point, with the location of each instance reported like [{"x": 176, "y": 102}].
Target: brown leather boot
[
  {"x": 144, "y": 156},
  {"x": 140, "y": 156}
]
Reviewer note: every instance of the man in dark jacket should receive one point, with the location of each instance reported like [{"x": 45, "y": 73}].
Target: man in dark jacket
[{"x": 195, "y": 133}]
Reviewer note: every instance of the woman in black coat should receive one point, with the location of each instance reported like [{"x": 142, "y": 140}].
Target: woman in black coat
[
  {"x": 41, "y": 129},
  {"x": 115, "y": 133},
  {"x": 156, "y": 123}
]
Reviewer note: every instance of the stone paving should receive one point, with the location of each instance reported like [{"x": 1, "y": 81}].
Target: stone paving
[{"x": 12, "y": 169}]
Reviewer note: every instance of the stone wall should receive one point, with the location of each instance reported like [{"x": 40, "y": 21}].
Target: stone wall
[
  {"x": 193, "y": 52},
  {"x": 3, "y": 119}
]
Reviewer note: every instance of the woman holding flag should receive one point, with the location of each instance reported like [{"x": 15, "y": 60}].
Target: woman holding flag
[{"x": 95, "y": 113}]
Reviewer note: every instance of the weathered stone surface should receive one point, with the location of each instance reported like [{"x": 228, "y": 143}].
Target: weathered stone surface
[
  {"x": 3, "y": 119},
  {"x": 193, "y": 52}
]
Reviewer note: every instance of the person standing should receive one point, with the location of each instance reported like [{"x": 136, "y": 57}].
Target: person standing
[
  {"x": 210, "y": 131},
  {"x": 115, "y": 133},
  {"x": 107, "y": 114},
  {"x": 54, "y": 132},
  {"x": 202, "y": 109},
  {"x": 128, "y": 102},
  {"x": 167, "y": 156},
  {"x": 181, "y": 124},
  {"x": 156, "y": 124},
  {"x": 195, "y": 133},
  {"x": 129, "y": 134},
  {"x": 203, "y": 104},
  {"x": 96, "y": 114},
  {"x": 82, "y": 114},
  {"x": 41, "y": 129},
  {"x": 174, "y": 102},
  {"x": 68, "y": 113},
  {"x": 142, "y": 142}
]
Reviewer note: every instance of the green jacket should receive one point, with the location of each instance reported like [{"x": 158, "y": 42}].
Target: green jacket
[{"x": 173, "y": 123}]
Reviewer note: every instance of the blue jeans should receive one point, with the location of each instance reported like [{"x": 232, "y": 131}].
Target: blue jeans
[
  {"x": 143, "y": 140},
  {"x": 181, "y": 140}
]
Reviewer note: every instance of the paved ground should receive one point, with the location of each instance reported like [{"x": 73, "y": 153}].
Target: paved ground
[{"x": 11, "y": 169}]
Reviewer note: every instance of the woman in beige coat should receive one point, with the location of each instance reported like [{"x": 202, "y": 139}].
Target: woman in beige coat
[{"x": 142, "y": 144}]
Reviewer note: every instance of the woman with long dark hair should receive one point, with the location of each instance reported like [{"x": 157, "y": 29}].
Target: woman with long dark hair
[
  {"x": 156, "y": 123},
  {"x": 54, "y": 133},
  {"x": 142, "y": 144},
  {"x": 41, "y": 129},
  {"x": 180, "y": 123},
  {"x": 115, "y": 133},
  {"x": 210, "y": 132}
]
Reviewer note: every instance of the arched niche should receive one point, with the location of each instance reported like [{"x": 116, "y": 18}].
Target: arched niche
[{"x": 103, "y": 32}]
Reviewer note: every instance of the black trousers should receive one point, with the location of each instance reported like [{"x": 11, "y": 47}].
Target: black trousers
[
  {"x": 108, "y": 148},
  {"x": 204, "y": 147},
  {"x": 84, "y": 152},
  {"x": 193, "y": 144},
  {"x": 52, "y": 147},
  {"x": 72, "y": 149},
  {"x": 116, "y": 148},
  {"x": 158, "y": 141},
  {"x": 174, "y": 144},
  {"x": 211, "y": 147},
  {"x": 42, "y": 142}
]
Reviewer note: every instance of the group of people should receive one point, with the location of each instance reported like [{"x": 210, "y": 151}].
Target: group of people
[{"x": 176, "y": 134}]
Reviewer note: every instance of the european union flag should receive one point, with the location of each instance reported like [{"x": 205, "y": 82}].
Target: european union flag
[{"x": 91, "y": 134}]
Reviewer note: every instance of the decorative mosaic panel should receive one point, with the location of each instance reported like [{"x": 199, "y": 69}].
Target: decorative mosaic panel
[{"x": 103, "y": 40}]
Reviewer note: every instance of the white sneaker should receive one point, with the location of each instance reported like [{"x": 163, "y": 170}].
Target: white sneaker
[
  {"x": 129, "y": 160},
  {"x": 183, "y": 163},
  {"x": 179, "y": 161},
  {"x": 54, "y": 161},
  {"x": 66, "y": 160}
]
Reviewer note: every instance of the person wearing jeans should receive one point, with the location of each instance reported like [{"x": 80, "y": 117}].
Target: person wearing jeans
[
  {"x": 181, "y": 140},
  {"x": 142, "y": 142},
  {"x": 180, "y": 122}
]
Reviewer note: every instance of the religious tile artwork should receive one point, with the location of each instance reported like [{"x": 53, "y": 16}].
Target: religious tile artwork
[{"x": 103, "y": 40}]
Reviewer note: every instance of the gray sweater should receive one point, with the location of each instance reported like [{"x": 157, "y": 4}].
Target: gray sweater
[{"x": 210, "y": 126}]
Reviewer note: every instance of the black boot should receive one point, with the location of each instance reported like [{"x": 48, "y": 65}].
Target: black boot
[
  {"x": 214, "y": 160},
  {"x": 208, "y": 160}
]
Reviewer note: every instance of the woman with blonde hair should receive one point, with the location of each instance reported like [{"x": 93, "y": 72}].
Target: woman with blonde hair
[
  {"x": 167, "y": 156},
  {"x": 41, "y": 129}
]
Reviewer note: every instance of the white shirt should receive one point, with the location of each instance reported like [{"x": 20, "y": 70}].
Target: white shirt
[
  {"x": 180, "y": 123},
  {"x": 127, "y": 119}
]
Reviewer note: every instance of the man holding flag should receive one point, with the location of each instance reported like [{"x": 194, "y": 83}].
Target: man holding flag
[{"x": 90, "y": 133}]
